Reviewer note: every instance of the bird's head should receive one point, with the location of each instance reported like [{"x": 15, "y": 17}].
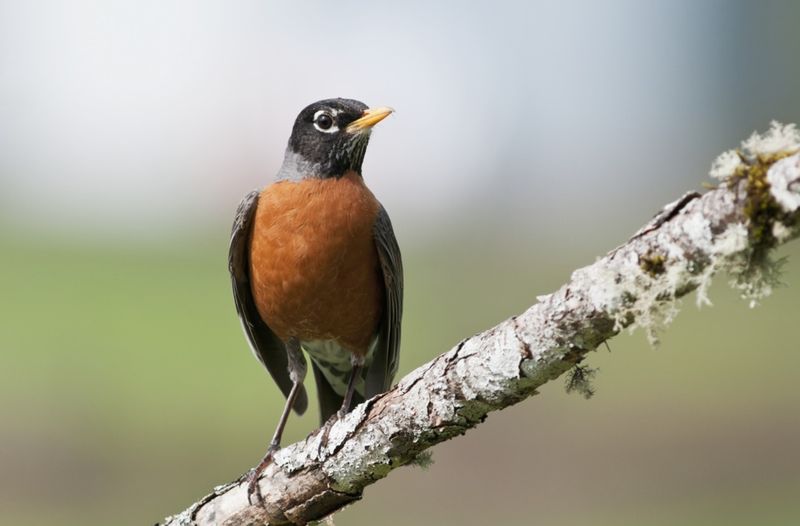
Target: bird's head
[{"x": 330, "y": 138}]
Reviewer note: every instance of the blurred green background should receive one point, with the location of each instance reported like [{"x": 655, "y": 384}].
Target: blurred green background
[{"x": 530, "y": 138}]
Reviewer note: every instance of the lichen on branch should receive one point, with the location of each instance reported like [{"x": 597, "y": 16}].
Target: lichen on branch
[{"x": 770, "y": 204}]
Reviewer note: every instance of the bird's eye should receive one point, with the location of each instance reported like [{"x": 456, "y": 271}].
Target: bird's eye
[{"x": 324, "y": 122}]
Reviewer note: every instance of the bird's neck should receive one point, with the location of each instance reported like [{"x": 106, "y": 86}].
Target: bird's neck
[
  {"x": 295, "y": 167},
  {"x": 344, "y": 159}
]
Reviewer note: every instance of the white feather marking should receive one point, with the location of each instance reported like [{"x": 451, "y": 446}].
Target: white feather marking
[
  {"x": 332, "y": 359},
  {"x": 332, "y": 114}
]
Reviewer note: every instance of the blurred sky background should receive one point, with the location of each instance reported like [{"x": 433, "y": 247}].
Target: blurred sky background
[{"x": 529, "y": 138}]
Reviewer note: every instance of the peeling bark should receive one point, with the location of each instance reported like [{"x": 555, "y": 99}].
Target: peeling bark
[{"x": 638, "y": 284}]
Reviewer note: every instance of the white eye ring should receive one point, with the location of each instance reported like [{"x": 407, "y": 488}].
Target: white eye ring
[{"x": 331, "y": 129}]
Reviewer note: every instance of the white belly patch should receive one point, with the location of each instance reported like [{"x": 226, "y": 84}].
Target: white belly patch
[{"x": 335, "y": 363}]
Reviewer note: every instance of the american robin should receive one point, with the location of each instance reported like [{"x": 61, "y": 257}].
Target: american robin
[{"x": 316, "y": 267}]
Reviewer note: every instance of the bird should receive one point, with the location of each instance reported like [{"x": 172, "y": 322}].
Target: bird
[{"x": 316, "y": 268}]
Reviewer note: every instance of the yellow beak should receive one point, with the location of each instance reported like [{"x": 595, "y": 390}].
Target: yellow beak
[{"x": 371, "y": 117}]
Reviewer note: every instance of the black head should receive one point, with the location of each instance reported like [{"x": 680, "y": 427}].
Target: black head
[{"x": 330, "y": 138}]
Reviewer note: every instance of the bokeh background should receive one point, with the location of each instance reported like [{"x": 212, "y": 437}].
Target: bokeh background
[{"x": 529, "y": 138}]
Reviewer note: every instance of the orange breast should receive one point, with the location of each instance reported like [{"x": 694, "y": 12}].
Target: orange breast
[{"x": 313, "y": 263}]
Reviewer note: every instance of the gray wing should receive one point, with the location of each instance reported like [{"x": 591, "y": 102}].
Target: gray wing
[
  {"x": 267, "y": 347},
  {"x": 386, "y": 357}
]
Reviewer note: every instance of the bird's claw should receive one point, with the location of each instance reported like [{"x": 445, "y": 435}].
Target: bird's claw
[
  {"x": 254, "y": 488},
  {"x": 253, "y": 475},
  {"x": 325, "y": 432}
]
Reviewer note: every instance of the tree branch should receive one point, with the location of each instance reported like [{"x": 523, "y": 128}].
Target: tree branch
[{"x": 732, "y": 228}]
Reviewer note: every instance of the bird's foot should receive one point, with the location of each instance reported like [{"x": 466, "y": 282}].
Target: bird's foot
[
  {"x": 253, "y": 488},
  {"x": 325, "y": 431},
  {"x": 323, "y": 439}
]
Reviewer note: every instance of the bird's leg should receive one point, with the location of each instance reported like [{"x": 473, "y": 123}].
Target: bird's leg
[
  {"x": 297, "y": 372},
  {"x": 358, "y": 364}
]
